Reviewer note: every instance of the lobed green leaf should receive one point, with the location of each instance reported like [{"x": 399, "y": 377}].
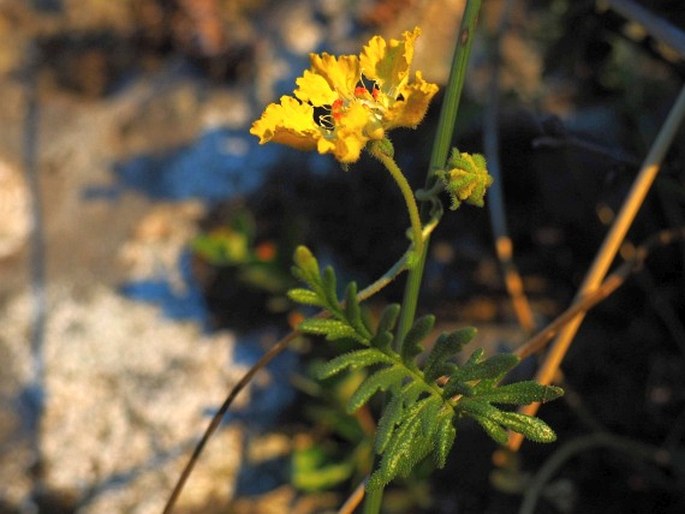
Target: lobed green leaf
[
  {"x": 381, "y": 380},
  {"x": 531, "y": 427},
  {"x": 388, "y": 318},
  {"x": 444, "y": 438},
  {"x": 494, "y": 367},
  {"x": 389, "y": 420},
  {"x": 329, "y": 285},
  {"x": 352, "y": 360},
  {"x": 521, "y": 393},
  {"x": 446, "y": 346},
  {"x": 411, "y": 345},
  {"x": 333, "y": 329},
  {"x": 307, "y": 265},
  {"x": 353, "y": 312},
  {"x": 305, "y": 297}
]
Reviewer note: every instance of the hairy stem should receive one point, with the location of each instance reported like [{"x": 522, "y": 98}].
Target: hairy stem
[
  {"x": 378, "y": 152},
  {"x": 440, "y": 152}
]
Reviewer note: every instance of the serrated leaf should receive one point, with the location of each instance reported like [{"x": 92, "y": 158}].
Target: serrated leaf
[
  {"x": 444, "y": 439},
  {"x": 389, "y": 420},
  {"x": 531, "y": 427},
  {"x": 476, "y": 357},
  {"x": 388, "y": 318},
  {"x": 411, "y": 345},
  {"x": 307, "y": 263},
  {"x": 446, "y": 346},
  {"x": 329, "y": 284},
  {"x": 521, "y": 393},
  {"x": 492, "y": 428},
  {"x": 403, "y": 445},
  {"x": 382, "y": 341},
  {"x": 352, "y": 360},
  {"x": 494, "y": 367},
  {"x": 333, "y": 329},
  {"x": 456, "y": 386},
  {"x": 353, "y": 312},
  {"x": 305, "y": 297},
  {"x": 381, "y": 380}
]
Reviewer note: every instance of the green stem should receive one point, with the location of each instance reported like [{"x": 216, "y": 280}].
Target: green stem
[
  {"x": 441, "y": 148},
  {"x": 377, "y": 150}
]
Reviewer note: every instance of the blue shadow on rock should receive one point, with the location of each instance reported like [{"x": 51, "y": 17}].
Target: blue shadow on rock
[
  {"x": 186, "y": 304},
  {"x": 220, "y": 164}
]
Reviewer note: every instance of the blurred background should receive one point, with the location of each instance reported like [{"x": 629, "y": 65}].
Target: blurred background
[{"x": 146, "y": 239}]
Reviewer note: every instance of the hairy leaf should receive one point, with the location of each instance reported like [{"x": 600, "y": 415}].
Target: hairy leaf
[
  {"x": 444, "y": 439},
  {"x": 329, "y": 284},
  {"x": 492, "y": 428},
  {"x": 533, "y": 428},
  {"x": 521, "y": 393},
  {"x": 389, "y": 420},
  {"x": 307, "y": 264},
  {"x": 305, "y": 297},
  {"x": 382, "y": 380},
  {"x": 352, "y": 360},
  {"x": 456, "y": 386},
  {"x": 446, "y": 346},
  {"x": 494, "y": 367},
  {"x": 333, "y": 329},
  {"x": 353, "y": 312},
  {"x": 382, "y": 341},
  {"x": 388, "y": 318},
  {"x": 403, "y": 446},
  {"x": 411, "y": 345}
]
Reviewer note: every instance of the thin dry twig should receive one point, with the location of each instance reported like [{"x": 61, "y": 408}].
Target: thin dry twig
[
  {"x": 354, "y": 499},
  {"x": 609, "y": 249},
  {"x": 589, "y": 300}
]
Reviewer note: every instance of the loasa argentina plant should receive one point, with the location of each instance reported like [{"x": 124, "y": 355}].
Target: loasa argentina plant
[
  {"x": 427, "y": 396},
  {"x": 362, "y": 98}
]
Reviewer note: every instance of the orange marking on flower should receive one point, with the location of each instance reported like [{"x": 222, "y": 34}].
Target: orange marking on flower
[{"x": 336, "y": 109}]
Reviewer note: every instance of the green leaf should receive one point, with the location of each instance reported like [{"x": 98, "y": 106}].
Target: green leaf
[
  {"x": 382, "y": 341},
  {"x": 389, "y": 420},
  {"x": 333, "y": 329},
  {"x": 521, "y": 393},
  {"x": 305, "y": 297},
  {"x": 352, "y": 360},
  {"x": 444, "y": 439},
  {"x": 456, "y": 386},
  {"x": 446, "y": 346},
  {"x": 403, "y": 444},
  {"x": 381, "y": 380},
  {"x": 492, "y": 428},
  {"x": 329, "y": 284},
  {"x": 531, "y": 427},
  {"x": 307, "y": 263},
  {"x": 389, "y": 318},
  {"x": 411, "y": 345},
  {"x": 494, "y": 367},
  {"x": 353, "y": 312}
]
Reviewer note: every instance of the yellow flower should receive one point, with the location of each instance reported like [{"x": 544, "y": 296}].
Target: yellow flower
[{"x": 361, "y": 97}]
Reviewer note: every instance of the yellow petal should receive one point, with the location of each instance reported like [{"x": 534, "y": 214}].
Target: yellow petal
[
  {"x": 348, "y": 140},
  {"x": 409, "y": 111},
  {"x": 288, "y": 122},
  {"x": 313, "y": 88},
  {"x": 341, "y": 74},
  {"x": 388, "y": 63}
]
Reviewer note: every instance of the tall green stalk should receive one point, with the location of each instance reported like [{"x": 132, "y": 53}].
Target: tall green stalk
[{"x": 441, "y": 148}]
